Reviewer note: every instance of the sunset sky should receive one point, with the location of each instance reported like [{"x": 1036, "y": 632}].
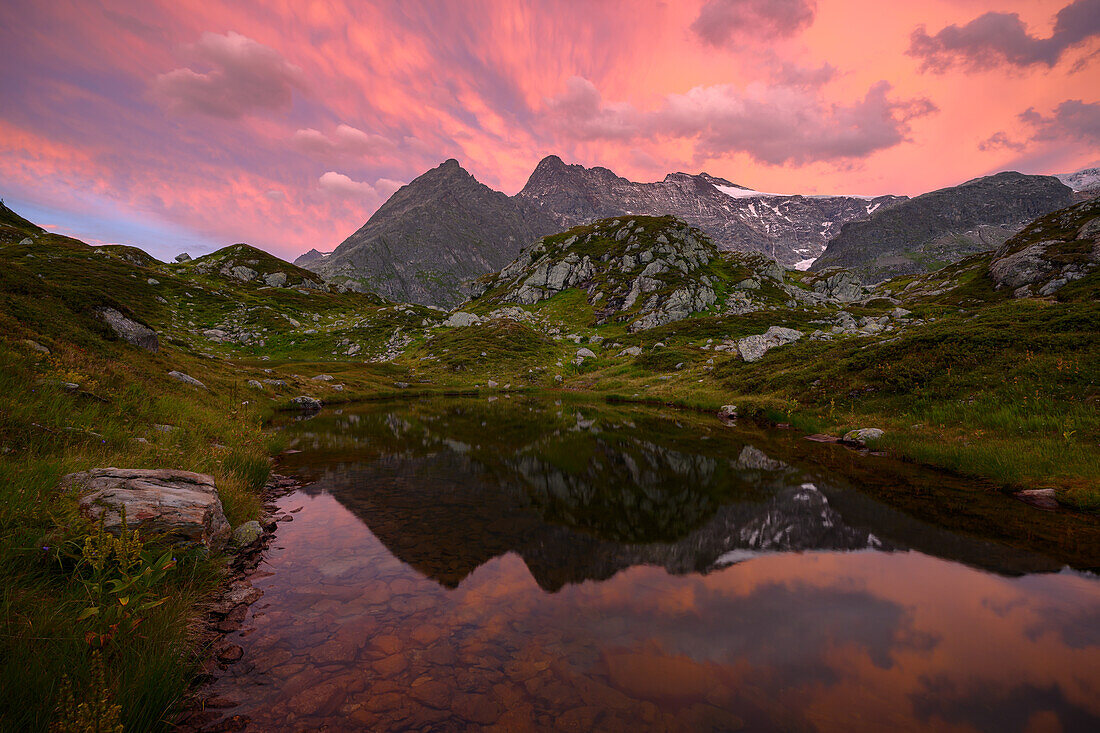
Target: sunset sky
[{"x": 188, "y": 125}]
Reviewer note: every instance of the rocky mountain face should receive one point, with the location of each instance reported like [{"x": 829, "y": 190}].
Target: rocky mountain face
[
  {"x": 1050, "y": 253},
  {"x": 789, "y": 229},
  {"x": 941, "y": 227},
  {"x": 443, "y": 228}
]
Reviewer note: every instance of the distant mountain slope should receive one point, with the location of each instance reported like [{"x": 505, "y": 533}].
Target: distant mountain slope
[
  {"x": 311, "y": 256},
  {"x": 443, "y": 228},
  {"x": 1085, "y": 182},
  {"x": 940, "y": 227},
  {"x": 789, "y": 228}
]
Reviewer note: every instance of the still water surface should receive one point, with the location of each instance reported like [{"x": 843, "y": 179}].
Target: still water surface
[{"x": 527, "y": 565}]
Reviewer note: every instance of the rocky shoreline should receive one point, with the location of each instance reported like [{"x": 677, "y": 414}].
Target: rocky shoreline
[{"x": 224, "y": 615}]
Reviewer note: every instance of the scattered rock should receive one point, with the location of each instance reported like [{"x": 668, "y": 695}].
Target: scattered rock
[
  {"x": 1040, "y": 498},
  {"x": 862, "y": 435},
  {"x": 181, "y": 505},
  {"x": 36, "y": 346},
  {"x": 247, "y": 534},
  {"x": 186, "y": 379},
  {"x": 309, "y": 404},
  {"x": 183, "y": 257},
  {"x": 727, "y": 412}
]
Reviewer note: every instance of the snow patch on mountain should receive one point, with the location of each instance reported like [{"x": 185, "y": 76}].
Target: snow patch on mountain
[{"x": 1081, "y": 180}]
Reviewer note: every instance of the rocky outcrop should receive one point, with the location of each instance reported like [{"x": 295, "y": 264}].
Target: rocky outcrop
[
  {"x": 181, "y": 506},
  {"x": 644, "y": 271},
  {"x": 441, "y": 229},
  {"x": 941, "y": 227},
  {"x": 129, "y": 330},
  {"x": 842, "y": 286},
  {"x": 1050, "y": 253},
  {"x": 753, "y": 348}
]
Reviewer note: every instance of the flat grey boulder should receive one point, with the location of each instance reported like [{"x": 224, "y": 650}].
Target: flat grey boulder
[
  {"x": 186, "y": 379},
  {"x": 130, "y": 330},
  {"x": 310, "y": 404},
  {"x": 753, "y": 348},
  {"x": 275, "y": 279},
  {"x": 862, "y": 435},
  {"x": 179, "y": 505},
  {"x": 462, "y": 319},
  {"x": 183, "y": 257}
]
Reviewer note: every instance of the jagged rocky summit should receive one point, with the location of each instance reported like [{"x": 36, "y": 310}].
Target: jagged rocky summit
[
  {"x": 441, "y": 229},
  {"x": 941, "y": 227}
]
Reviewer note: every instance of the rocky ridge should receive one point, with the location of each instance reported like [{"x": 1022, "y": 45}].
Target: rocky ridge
[
  {"x": 944, "y": 226},
  {"x": 790, "y": 229}
]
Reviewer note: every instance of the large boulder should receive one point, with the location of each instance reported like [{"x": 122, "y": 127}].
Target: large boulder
[
  {"x": 182, "y": 506},
  {"x": 461, "y": 318},
  {"x": 307, "y": 403},
  {"x": 130, "y": 330}
]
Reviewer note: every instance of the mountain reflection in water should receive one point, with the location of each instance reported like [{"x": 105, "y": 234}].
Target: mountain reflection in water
[{"x": 535, "y": 566}]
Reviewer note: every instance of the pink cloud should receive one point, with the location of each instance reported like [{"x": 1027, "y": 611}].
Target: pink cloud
[
  {"x": 773, "y": 124},
  {"x": 722, "y": 21},
  {"x": 345, "y": 140},
  {"x": 340, "y": 185},
  {"x": 997, "y": 38},
  {"x": 244, "y": 76}
]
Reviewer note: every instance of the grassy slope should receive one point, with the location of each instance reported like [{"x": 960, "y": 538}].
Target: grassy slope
[{"x": 48, "y": 292}]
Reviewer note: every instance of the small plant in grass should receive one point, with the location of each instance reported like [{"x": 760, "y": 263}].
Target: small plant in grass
[
  {"x": 121, "y": 581},
  {"x": 97, "y": 714}
]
